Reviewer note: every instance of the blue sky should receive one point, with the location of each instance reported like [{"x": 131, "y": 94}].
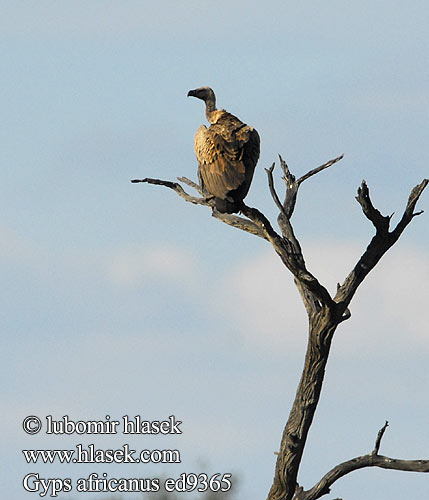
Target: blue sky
[{"x": 123, "y": 299}]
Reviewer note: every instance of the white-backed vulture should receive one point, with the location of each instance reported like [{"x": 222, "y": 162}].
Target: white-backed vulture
[{"x": 227, "y": 153}]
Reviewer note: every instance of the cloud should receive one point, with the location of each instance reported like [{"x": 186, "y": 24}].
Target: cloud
[
  {"x": 257, "y": 299},
  {"x": 131, "y": 266},
  {"x": 260, "y": 298},
  {"x": 13, "y": 247},
  {"x": 125, "y": 267},
  {"x": 262, "y": 302},
  {"x": 394, "y": 299}
]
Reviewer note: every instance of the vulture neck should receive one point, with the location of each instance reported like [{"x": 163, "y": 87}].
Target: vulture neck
[{"x": 211, "y": 111}]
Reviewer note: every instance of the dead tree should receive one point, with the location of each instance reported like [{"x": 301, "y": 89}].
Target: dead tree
[{"x": 324, "y": 312}]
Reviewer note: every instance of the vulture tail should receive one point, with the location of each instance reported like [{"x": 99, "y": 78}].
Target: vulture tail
[{"x": 228, "y": 207}]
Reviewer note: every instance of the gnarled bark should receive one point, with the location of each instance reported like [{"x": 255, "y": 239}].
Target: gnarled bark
[{"x": 324, "y": 312}]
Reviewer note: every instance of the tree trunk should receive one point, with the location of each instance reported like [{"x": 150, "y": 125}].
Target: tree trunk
[
  {"x": 325, "y": 313},
  {"x": 321, "y": 330}
]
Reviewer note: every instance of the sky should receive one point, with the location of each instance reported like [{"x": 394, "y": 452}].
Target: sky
[{"x": 122, "y": 299}]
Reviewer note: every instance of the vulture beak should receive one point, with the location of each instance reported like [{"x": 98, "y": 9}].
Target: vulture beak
[{"x": 192, "y": 93}]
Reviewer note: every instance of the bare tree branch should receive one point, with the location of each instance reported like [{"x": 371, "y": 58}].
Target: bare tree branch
[
  {"x": 323, "y": 321},
  {"x": 319, "y": 169},
  {"x": 292, "y": 185},
  {"x": 379, "y": 438},
  {"x": 286, "y": 210},
  {"x": 372, "y": 459},
  {"x": 289, "y": 252},
  {"x": 257, "y": 224},
  {"x": 240, "y": 223},
  {"x": 193, "y": 184},
  {"x": 272, "y": 188},
  {"x": 232, "y": 220},
  {"x": 324, "y": 315},
  {"x": 379, "y": 244},
  {"x": 409, "y": 209},
  {"x": 380, "y": 222},
  {"x": 175, "y": 186}
]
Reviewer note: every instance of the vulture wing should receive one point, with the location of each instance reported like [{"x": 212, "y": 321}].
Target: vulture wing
[{"x": 227, "y": 154}]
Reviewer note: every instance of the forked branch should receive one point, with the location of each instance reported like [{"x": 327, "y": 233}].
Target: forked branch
[
  {"x": 380, "y": 243},
  {"x": 175, "y": 186},
  {"x": 372, "y": 459},
  {"x": 256, "y": 223},
  {"x": 324, "y": 314},
  {"x": 292, "y": 184},
  {"x": 232, "y": 220}
]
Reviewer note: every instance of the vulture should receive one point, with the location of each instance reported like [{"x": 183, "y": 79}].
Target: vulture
[{"x": 227, "y": 153}]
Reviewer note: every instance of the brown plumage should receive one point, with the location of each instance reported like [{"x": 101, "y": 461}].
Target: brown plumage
[{"x": 227, "y": 153}]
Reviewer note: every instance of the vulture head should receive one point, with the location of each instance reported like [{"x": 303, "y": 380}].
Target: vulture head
[
  {"x": 203, "y": 93},
  {"x": 207, "y": 95}
]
